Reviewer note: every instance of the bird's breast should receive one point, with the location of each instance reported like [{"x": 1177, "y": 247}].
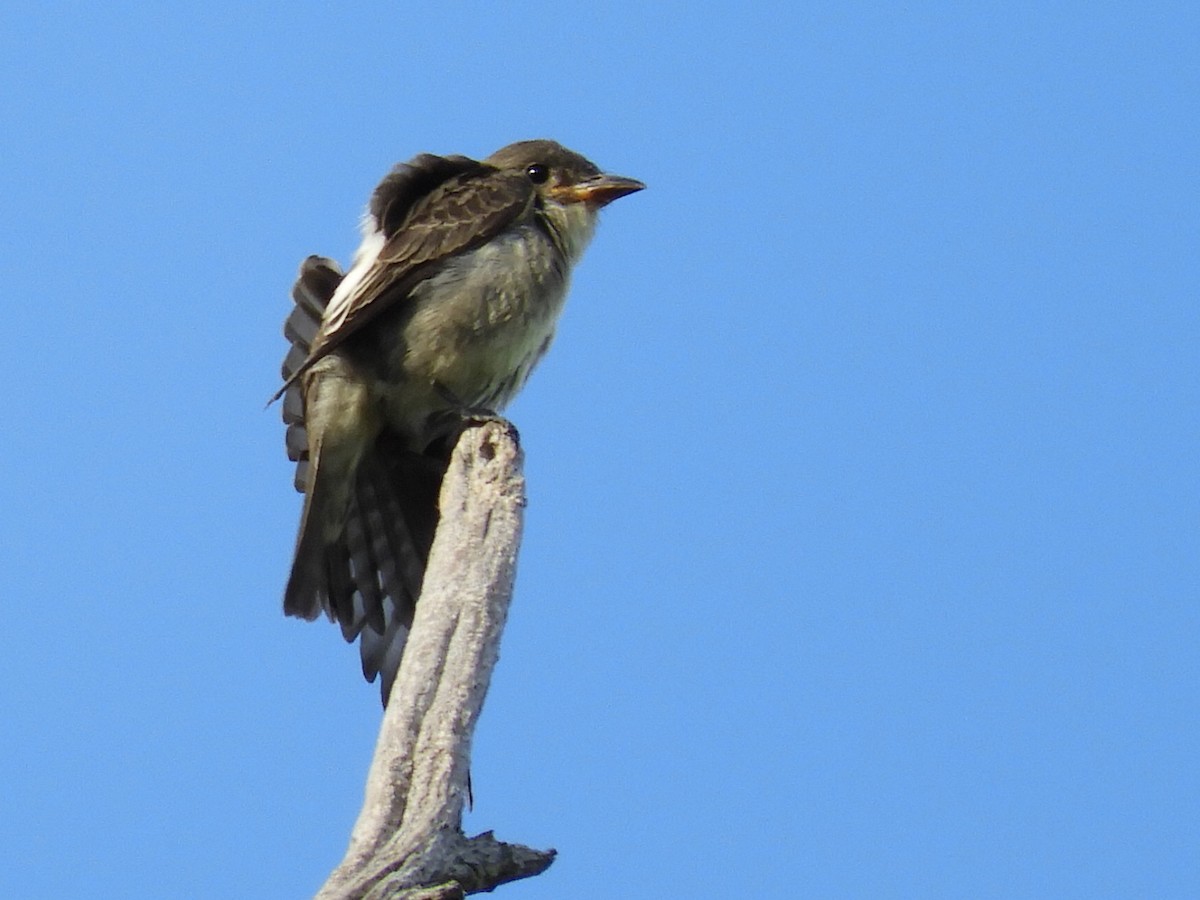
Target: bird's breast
[{"x": 480, "y": 324}]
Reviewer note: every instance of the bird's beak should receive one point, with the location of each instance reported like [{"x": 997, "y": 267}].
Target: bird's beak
[{"x": 598, "y": 191}]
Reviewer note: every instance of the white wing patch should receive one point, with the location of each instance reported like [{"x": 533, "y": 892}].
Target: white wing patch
[{"x": 365, "y": 258}]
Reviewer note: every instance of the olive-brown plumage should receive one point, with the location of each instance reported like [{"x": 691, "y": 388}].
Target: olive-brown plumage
[{"x": 451, "y": 301}]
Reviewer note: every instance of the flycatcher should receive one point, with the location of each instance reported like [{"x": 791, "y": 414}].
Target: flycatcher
[{"x": 452, "y": 299}]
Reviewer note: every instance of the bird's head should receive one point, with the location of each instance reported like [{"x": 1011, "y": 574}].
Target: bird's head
[{"x": 571, "y": 187}]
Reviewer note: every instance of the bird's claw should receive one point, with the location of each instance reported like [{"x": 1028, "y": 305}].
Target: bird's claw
[{"x": 447, "y": 426}]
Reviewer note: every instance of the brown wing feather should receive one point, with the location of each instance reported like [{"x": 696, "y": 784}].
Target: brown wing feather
[
  {"x": 409, "y": 182},
  {"x": 315, "y": 285},
  {"x": 459, "y": 215}
]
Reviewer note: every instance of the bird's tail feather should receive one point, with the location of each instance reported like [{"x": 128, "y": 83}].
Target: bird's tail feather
[{"x": 394, "y": 515}]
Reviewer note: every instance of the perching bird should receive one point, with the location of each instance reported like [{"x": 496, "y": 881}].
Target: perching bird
[{"x": 452, "y": 299}]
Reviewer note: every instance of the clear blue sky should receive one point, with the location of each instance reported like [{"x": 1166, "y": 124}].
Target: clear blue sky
[{"x": 862, "y": 546}]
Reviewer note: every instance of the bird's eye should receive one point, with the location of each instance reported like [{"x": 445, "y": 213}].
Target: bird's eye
[{"x": 538, "y": 173}]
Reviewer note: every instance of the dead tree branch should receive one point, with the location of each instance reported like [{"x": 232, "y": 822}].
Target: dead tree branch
[{"x": 408, "y": 840}]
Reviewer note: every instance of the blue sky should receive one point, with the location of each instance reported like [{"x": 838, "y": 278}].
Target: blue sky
[{"x": 861, "y": 553}]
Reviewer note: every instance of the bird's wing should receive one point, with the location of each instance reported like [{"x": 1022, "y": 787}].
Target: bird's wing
[
  {"x": 458, "y": 213},
  {"x": 410, "y": 182},
  {"x": 461, "y": 213},
  {"x": 315, "y": 285}
]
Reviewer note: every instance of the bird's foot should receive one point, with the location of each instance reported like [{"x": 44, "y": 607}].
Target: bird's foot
[{"x": 446, "y": 427}]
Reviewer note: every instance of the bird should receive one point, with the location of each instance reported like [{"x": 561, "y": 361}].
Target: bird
[{"x": 451, "y": 300}]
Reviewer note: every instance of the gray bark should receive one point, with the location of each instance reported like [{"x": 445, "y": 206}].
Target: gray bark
[{"x": 408, "y": 840}]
